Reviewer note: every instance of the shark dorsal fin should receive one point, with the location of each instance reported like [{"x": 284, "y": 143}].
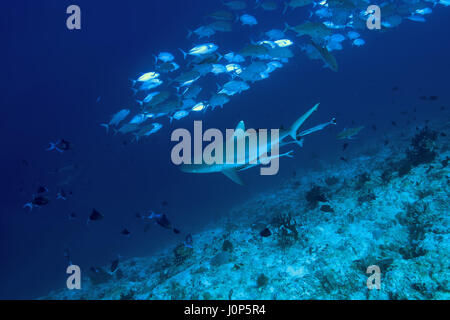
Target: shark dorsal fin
[{"x": 240, "y": 126}]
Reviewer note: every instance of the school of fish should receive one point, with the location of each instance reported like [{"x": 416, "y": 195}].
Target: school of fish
[{"x": 207, "y": 74}]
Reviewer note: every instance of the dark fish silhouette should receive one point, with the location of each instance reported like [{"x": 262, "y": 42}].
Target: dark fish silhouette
[
  {"x": 72, "y": 216},
  {"x": 125, "y": 232},
  {"x": 343, "y": 159},
  {"x": 42, "y": 189},
  {"x": 95, "y": 216},
  {"x": 164, "y": 222},
  {"x": 60, "y": 146},
  {"x": 344, "y": 146},
  {"x": 61, "y": 195},
  {"x": 40, "y": 201}
]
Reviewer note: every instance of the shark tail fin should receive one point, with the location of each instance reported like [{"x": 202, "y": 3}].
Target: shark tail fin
[
  {"x": 232, "y": 174},
  {"x": 298, "y": 123},
  {"x": 184, "y": 53}
]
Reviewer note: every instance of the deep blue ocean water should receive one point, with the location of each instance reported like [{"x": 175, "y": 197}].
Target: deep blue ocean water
[{"x": 52, "y": 78}]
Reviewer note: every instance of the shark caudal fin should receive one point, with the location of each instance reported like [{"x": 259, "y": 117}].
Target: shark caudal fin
[
  {"x": 232, "y": 174},
  {"x": 297, "y": 124}
]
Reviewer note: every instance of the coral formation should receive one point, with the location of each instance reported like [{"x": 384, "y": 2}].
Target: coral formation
[{"x": 375, "y": 212}]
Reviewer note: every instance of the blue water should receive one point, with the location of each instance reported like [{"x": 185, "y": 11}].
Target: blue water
[{"x": 52, "y": 78}]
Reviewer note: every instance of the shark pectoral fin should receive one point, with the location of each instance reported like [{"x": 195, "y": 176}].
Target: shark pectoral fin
[{"x": 232, "y": 174}]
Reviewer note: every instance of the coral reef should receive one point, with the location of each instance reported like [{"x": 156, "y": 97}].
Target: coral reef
[{"x": 388, "y": 208}]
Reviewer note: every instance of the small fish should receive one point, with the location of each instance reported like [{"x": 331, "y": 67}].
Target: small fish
[
  {"x": 40, "y": 201},
  {"x": 42, "y": 189},
  {"x": 344, "y": 146},
  {"x": 199, "y": 50},
  {"x": 37, "y": 202},
  {"x": 236, "y": 5},
  {"x": 349, "y": 133},
  {"x": 344, "y": 159},
  {"x": 352, "y": 35},
  {"x": 72, "y": 216},
  {"x": 125, "y": 232},
  {"x": 148, "y": 85},
  {"x": 394, "y": 123},
  {"x": 199, "y": 107},
  {"x": 282, "y": 43},
  {"x": 61, "y": 195},
  {"x": 359, "y": 42},
  {"x": 180, "y": 114},
  {"x": 424, "y": 11},
  {"x": 148, "y": 76},
  {"x": 164, "y": 57},
  {"x": 234, "y": 57},
  {"x": 374, "y": 127},
  {"x": 161, "y": 220},
  {"x": 116, "y": 119},
  {"x": 202, "y": 32},
  {"x": 168, "y": 67},
  {"x": 248, "y": 20},
  {"x": 60, "y": 146},
  {"x": 416, "y": 18},
  {"x": 275, "y": 34},
  {"x": 95, "y": 216}
]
